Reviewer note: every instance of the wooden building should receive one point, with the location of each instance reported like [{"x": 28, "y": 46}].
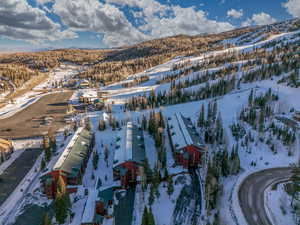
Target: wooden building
[
  {"x": 187, "y": 145},
  {"x": 129, "y": 158},
  {"x": 70, "y": 165},
  {"x": 99, "y": 205}
]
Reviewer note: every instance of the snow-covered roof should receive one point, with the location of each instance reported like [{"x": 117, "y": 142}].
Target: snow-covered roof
[
  {"x": 89, "y": 209},
  {"x": 89, "y": 94},
  {"x": 76, "y": 151},
  {"x": 183, "y": 132},
  {"x": 131, "y": 146},
  {"x": 67, "y": 150}
]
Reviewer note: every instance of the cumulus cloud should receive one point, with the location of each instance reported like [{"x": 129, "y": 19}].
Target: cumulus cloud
[
  {"x": 166, "y": 20},
  {"x": 259, "y": 19},
  {"x": 236, "y": 14},
  {"x": 18, "y": 20},
  {"x": 184, "y": 21},
  {"x": 293, "y": 7},
  {"x": 92, "y": 15},
  {"x": 151, "y": 19}
]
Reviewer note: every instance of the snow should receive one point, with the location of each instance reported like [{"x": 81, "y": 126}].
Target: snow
[
  {"x": 62, "y": 74},
  {"x": 89, "y": 209},
  {"x": 229, "y": 106},
  {"x": 278, "y": 204},
  {"x": 150, "y": 150},
  {"x": 124, "y": 153},
  {"x": 67, "y": 150}
]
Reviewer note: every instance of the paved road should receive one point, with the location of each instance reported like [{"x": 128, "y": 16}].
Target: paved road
[{"x": 251, "y": 193}]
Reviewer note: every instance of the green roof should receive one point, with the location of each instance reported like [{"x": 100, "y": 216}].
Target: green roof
[
  {"x": 138, "y": 145},
  {"x": 106, "y": 195},
  {"x": 78, "y": 153}
]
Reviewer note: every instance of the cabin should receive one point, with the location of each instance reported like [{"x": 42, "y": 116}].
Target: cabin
[
  {"x": 129, "y": 158},
  {"x": 88, "y": 96},
  {"x": 70, "y": 165},
  {"x": 99, "y": 205},
  {"x": 6, "y": 149},
  {"x": 187, "y": 145},
  {"x": 83, "y": 83}
]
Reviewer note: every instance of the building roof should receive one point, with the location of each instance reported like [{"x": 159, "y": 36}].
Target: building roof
[
  {"x": 89, "y": 213},
  {"x": 89, "y": 94},
  {"x": 132, "y": 147},
  {"x": 76, "y": 151},
  {"x": 89, "y": 208},
  {"x": 106, "y": 195},
  {"x": 183, "y": 133}
]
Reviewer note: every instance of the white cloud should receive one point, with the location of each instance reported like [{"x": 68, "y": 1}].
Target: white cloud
[
  {"x": 263, "y": 19},
  {"x": 293, "y": 7},
  {"x": 19, "y": 20},
  {"x": 259, "y": 19},
  {"x": 165, "y": 20},
  {"x": 91, "y": 15},
  {"x": 184, "y": 21},
  {"x": 235, "y": 13},
  {"x": 151, "y": 19}
]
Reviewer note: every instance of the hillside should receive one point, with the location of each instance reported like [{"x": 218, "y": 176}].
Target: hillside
[{"x": 186, "y": 130}]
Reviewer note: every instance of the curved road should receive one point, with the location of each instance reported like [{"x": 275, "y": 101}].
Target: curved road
[{"x": 251, "y": 193}]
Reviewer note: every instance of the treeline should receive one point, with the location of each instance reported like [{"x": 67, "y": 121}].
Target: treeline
[
  {"x": 119, "y": 64},
  {"x": 259, "y": 60},
  {"x": 204, "y": 77},
  {"x": 17, "y": 74},
  {"x": 136, "y": 81},
  {"x": 154, "y": 100}
]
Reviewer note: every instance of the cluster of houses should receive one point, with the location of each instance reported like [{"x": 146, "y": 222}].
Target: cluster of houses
[
  {"x": 98, "y": 206},
  {"x": 127, "y": 168},
  {"x": 6, "y": 149},
  {"x": 128, "y": 165}
]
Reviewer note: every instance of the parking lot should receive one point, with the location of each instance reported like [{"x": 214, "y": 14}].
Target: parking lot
[
  {"x": 14, "y": 174},
  {"x": 36, "y": 119}
]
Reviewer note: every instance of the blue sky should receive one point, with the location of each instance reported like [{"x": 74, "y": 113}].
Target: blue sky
[{"x": 34, "y": 24}]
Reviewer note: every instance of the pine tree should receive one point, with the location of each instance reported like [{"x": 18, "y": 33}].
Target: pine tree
[
  {"x": 170, "y": 186},
  {"x": 251, "y": 97},
  {"x": 95, "y": 160},
  {"x": 102, "y": 125},
  {"x": 261, "y": 120},
  {"x": 62, "y": 201},
  {"x": 201, "y": 118},
  {"x": 151, "y": 220},
  {"x": 43, "y": 164},
  {"x": 145, "y": 220},
  {"x": 144, "y": 122},
  {"x": 225, "y": 163}
]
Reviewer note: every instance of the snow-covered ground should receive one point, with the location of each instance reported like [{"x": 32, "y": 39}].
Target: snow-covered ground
[
  {"x": 229, "y": 105},
  {"x": 61, "y": 74},
  {"x": 283, "y": 214}
]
